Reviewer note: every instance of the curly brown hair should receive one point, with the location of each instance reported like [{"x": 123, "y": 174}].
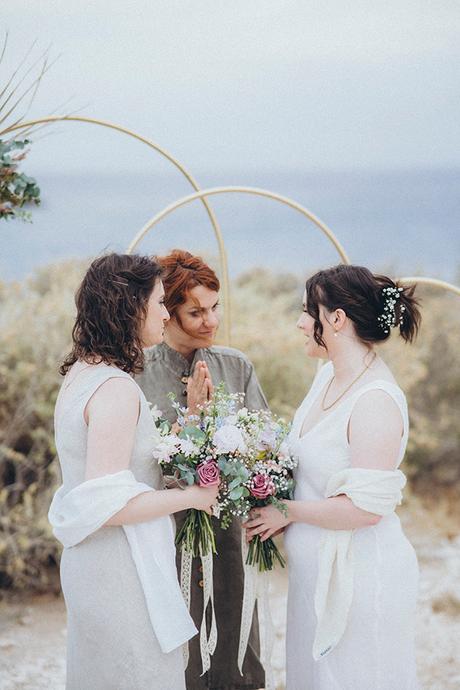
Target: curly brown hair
[{"x": 111, "y": 306}]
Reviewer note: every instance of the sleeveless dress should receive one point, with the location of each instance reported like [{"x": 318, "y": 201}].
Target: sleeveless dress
[
  {"x": 110, "y": 640},
  {"x": 377, "y": 650}
]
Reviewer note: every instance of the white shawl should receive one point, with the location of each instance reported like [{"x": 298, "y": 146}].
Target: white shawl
[
  {"x": 377, "y": 491},
  {"x": 83, "y": 510}
]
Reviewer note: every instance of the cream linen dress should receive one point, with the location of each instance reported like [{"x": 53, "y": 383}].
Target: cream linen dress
[
  {"x": 376, "y": 651},
  {"x": 110, "y": 641}
]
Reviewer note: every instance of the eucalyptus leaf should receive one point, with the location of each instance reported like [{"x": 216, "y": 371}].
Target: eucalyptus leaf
[
  {"x": 236, "y": 493},
  {"x": 234, "y": 483},
  {"x": 193, "y": 433}
]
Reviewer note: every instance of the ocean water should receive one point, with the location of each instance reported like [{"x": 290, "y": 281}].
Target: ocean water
[{"x": 403, "y": 222}]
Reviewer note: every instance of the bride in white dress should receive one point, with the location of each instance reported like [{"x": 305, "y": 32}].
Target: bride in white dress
[{"x": 352, "y": 572}]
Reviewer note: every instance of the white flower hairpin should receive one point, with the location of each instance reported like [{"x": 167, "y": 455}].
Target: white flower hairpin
[{"x": 387, "y": 320}]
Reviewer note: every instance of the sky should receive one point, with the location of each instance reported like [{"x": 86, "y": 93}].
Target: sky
[{"x": 260, "y": 85}]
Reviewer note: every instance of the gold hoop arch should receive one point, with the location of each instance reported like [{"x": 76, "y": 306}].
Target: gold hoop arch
[
  {"x": 211, "y": 191},
  {"x": 241, "y": 190},
  {"x": 171, "y": 159},
  {"x": 433, "y": 282}
]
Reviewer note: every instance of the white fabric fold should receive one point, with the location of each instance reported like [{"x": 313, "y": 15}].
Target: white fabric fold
[
  {"x": 83, "y": 510},
  {"x": 256, "y": 590},
  {"x": 376, "y": 491}
]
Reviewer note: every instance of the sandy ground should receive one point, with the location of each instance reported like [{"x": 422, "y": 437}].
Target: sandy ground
[{"x": 32, "y": 634}]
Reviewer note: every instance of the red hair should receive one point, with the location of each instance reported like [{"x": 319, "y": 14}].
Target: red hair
[{"x": 181, "y": 273}]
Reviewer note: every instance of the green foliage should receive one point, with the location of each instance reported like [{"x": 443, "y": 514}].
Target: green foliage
[
  {"x": 35, "y": 324},
  {"x": 16, "y": 188}
]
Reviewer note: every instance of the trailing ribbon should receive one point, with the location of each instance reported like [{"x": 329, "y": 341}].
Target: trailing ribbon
[
  {"x": 207, "y": 644},
  {"x": 256, "y": 590},
  {"x": 185, "y": 580}
]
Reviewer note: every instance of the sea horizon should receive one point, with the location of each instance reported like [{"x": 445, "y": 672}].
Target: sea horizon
[{"x": 404, "y": 220}]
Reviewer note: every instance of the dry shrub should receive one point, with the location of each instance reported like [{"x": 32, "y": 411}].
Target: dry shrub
[{"x": 35, "y": 323}]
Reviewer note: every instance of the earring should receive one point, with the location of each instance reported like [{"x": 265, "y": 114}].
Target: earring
[{"x": 336, "y": 334}]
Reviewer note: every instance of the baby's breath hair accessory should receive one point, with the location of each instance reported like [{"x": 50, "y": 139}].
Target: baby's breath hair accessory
[{"x": 387, "y": 320}]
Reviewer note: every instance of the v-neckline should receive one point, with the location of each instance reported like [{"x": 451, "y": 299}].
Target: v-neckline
[
  {"x": 344, "y": 400},
  {"x": 301, "y": 436}
]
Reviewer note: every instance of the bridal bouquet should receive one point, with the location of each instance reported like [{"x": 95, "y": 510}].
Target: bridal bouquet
[
  {"x": 245, "y": 451},
  {"x": 186, "y": 452},
  {"x": 260, "y": 474}
]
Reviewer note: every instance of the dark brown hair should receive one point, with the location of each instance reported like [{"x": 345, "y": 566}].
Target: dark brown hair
[
  {"x": 182, "y": 272},
  {"x": 364, "y": 297},
  {"x": 111, "y": 305}
]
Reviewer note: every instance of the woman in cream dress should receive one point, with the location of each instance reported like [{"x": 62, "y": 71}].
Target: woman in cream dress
[
  {"x": 352, "y": 573},
  {"x": 104, "y": 438}
]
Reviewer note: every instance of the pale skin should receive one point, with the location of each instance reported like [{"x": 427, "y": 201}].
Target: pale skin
[
  {"x": 112, "y": 414},
  {"x": 195, "y": 326},
  {"x": 372, "y": 445}
]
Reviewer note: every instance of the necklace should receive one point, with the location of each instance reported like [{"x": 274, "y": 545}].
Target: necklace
[{"x": 361, "y": 373}]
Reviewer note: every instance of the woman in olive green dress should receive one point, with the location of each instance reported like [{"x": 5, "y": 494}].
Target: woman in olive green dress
[{"x": 188, "y": 364}]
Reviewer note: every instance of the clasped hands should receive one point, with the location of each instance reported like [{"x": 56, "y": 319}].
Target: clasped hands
[{"x": 199, "y": 388}]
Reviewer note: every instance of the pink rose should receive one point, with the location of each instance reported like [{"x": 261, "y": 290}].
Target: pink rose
[
  {"x": 208, "y": 473},
  {"x": 262, "y": 486}
]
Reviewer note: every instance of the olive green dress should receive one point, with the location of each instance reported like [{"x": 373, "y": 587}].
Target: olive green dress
[{"x": 166, "y": 370}]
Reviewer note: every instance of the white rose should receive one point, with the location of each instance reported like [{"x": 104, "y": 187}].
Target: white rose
[
  {"x": 165, "y": 448},
  {"x": 229, "y": 439},
  {"x": 188, "y": 448}
]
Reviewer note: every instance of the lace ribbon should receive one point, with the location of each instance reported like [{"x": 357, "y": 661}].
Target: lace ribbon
[
  {"x": 256, "y": 590},
  {"x": 185, "y": 581},
  {"x": 207, "y": 644}
]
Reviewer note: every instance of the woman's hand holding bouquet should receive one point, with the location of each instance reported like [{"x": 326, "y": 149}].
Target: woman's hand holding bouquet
[{"x": 243, "y": 453}]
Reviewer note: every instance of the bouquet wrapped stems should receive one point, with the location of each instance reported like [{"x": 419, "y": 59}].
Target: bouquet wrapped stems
[
  {"x": 264, "y": 554},
  {"x": 196, "y": 534}
]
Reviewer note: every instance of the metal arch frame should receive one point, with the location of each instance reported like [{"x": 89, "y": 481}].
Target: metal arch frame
[
  {"x": 423, "y": 280},
  {"x": 433, "y": 282},
  {"x": 202, "y": 194},
  {"x": 171, "y": 159},
  {"x": 242, "y": 190},
  {"x": 211, "y": 191}
]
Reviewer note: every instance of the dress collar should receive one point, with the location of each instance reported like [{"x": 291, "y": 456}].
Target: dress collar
[{"x": 176, "y": 362}]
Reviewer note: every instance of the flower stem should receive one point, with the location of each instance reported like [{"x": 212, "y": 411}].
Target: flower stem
[
  {"x": 197, "y": 534},
  {"x": 264, "y": 554}
]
